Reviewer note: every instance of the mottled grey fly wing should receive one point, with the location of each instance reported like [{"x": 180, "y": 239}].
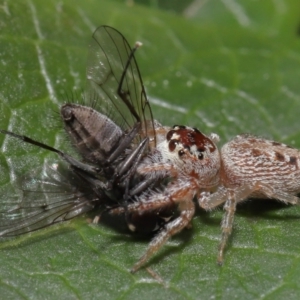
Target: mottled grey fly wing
[
  {"x": 114, "y": 82},
  {"x": 47, "y": 196}
]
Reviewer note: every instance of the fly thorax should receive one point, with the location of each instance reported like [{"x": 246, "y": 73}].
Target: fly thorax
[{"x": 193, "y": 152}]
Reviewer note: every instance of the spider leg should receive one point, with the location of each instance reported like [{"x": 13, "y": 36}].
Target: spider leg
[
  {"x": 226, "y": 225},
  {"x": 209, "y": 201},
  {"x": 233, "y": 196},
  {"x": 157, "y": 169},
  {"x": 151, "y": 200},
  {"x": 187, "y": 210},
  {"x": 180, "y": 194}
]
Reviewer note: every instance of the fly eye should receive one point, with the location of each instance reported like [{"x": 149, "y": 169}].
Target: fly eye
[
  {"x": 67, "y": 112},
  {"x": 180, "y": 152}
]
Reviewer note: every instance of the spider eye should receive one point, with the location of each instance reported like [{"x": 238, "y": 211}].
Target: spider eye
[
  {"x": 200, "y": 156},
  {"x": 180, "y": 152}
]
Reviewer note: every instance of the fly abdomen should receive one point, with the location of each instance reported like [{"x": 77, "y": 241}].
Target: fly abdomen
[{"x": 93, "y": 134}]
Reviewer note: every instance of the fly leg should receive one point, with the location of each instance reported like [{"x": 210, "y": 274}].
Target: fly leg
[
  {"x": 124, "y": 172},
  {"x": 69, "y": 159},
  {"x": 124, "y": 144}
]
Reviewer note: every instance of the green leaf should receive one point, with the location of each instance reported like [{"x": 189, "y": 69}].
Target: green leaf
[{"x": 227, "y": 67}]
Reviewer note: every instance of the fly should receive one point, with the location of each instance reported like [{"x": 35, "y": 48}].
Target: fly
[{"x": 112, "y": 134}]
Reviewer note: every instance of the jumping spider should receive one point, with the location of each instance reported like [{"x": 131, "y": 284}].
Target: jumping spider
[{"x": 247, "y": 166}]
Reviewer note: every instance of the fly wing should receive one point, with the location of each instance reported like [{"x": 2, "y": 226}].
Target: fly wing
[
  {"x": 114, "y": 82},
  {"x": 52, "y": 195}
]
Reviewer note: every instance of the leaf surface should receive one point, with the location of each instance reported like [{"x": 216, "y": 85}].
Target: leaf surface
[{"x": 227, "y": 67}]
